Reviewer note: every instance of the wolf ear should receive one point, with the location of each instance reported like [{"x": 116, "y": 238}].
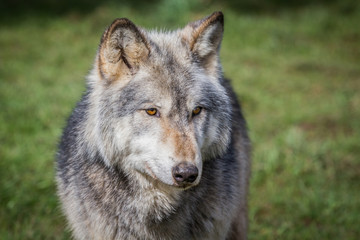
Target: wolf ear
[
  {"x": 122, "y": 49},
  {"x": 204, "y": 38}
]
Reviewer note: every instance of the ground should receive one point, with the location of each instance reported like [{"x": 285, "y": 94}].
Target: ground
[{"x": 295, "y": 67}]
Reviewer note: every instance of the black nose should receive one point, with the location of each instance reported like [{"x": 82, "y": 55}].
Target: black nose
[{"x": 185, "y": 173}]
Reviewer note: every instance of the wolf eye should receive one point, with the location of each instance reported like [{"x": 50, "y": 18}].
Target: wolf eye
[
  {"x": 196, "y": 111},
  {"x": 152, "y": 111}
]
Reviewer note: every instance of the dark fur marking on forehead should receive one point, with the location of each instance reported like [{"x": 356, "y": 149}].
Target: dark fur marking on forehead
[
  {"x": 174, "y": 77},
  {"x": 125, "y": 103},
  {"x": 180, "y": 93},
  {"x": 129, "y": 99}
]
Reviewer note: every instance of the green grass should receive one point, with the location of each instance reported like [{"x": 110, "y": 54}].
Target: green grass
[{"x": 296, "y": 68}]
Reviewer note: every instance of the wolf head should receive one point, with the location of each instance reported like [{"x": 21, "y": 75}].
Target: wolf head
[{"x": 157, "y": 103}]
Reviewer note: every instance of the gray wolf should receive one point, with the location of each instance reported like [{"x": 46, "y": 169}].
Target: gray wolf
[{"x": 157, "y": 147}]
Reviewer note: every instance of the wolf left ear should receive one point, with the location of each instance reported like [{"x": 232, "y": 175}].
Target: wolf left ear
[
  {"x": 204, "y": 38},
  {"x": 122, "y": 49}
]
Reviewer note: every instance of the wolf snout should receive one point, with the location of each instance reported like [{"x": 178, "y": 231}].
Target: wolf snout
[{"x": 185, "y": 173}]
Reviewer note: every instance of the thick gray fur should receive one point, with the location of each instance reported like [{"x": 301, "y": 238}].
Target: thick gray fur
[{"x": 114, "y": 160}]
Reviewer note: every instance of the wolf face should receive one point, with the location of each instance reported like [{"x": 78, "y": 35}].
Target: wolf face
[{"x": 157, "y": 105}]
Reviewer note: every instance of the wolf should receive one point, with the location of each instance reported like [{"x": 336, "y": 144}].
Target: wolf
[{"x": 157, "y": 147}]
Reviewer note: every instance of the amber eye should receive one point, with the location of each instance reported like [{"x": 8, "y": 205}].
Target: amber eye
[
  {"x": 151, "y": 111},
  {"x": 196, "y": 111}
]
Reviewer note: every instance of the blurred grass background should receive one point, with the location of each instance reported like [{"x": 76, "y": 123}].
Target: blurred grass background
[{"x": 294, "y": 64}]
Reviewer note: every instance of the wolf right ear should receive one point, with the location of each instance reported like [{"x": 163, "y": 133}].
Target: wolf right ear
[
  {"x": 204, "y": 39},
  {"x": 122, "y": 49}
]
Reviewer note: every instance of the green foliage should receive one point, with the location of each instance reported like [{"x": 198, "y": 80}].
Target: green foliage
[{"x": 295, "y": 67}]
